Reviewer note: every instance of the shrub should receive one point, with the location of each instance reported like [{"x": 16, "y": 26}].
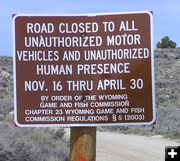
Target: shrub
[
  {"x": 166, "y": 43},
  {"x": 31, "y": 144}
]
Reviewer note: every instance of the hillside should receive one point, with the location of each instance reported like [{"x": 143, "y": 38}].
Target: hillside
[
  {"x": 6, "y": 86},
  {"x": 167, "y": 79},
  {"x": 167, "y": 69}
]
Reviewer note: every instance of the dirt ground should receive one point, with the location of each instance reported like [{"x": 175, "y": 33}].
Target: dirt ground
[{"x": 120, "y": 147}]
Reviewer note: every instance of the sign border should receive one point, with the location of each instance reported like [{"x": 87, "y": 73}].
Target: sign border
[{"x": 93, "y": 124}]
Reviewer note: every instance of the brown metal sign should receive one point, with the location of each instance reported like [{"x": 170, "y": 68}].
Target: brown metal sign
[{"x": 83, "y": 70}]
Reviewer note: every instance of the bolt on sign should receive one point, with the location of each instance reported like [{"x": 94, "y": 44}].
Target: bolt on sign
[{"x": 83, "y": 70}]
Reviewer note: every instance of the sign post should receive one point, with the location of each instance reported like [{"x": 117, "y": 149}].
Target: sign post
[
  {"x": 83, "y": 70},
  {"x": 83, "y": 144}
]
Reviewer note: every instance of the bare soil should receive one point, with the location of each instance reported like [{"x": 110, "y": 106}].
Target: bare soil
[{"x": 121, "y": 147}]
